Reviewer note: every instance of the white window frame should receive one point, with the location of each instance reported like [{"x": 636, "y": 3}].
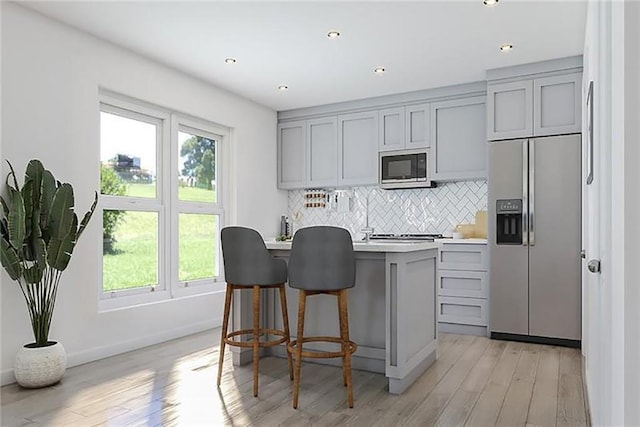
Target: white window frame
[
  {"x": 180, "y": 123},
  {"x": 166, "y": 203}
]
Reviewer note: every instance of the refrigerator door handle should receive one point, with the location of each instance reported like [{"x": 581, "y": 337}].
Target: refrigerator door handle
[
  {"x": 525, "y": 193},
  {"x": 532, "y": 192}
]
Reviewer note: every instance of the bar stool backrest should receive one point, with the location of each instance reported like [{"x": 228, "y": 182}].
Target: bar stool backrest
[
  {"x": 322, "y": 259},
  {"x": 247, "y": 260}
]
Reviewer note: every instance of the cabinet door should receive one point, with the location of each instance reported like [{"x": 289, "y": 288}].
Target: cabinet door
[
  {"x": 322, "y": 152},
  {"x": 556, "y": 104},
  {"x": 458, "y": 139},
  {"x": 358, "y": 148},
  {"x": 291, "y": 155},
  {"x": 391, "y": 130},
  {"x": 510, "y": 110},
  {"x": 417, "y": 120}
]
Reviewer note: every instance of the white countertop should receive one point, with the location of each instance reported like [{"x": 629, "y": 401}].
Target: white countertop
[
  {"x": 462, "y": 241},
  {"x": 358, "y": 246}
]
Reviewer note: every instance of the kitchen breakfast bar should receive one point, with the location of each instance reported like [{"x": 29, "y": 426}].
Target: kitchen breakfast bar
[{"x": 392, "y": 311}]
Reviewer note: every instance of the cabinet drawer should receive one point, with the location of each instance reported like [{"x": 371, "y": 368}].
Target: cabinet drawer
[
  {"x": 454, "y": 283},
  {"x": 463, "y": 257},
  {"x": 464, "y": 311}
]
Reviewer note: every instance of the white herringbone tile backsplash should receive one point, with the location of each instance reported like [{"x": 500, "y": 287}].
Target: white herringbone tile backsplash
[{"x": 420, "y": 210}]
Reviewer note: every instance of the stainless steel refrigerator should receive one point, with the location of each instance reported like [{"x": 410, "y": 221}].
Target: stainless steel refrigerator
[{"x": 534, "y": 239}]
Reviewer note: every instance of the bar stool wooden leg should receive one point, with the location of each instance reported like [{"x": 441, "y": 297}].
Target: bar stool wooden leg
[
  {"x": 256, "y": 337},
  {"x": 344, "y": 332},
  {"x": 302, "y": 301},
  {"x": 225, "y": 325},
  {"x": 344, "y": 344},
  {"x": 285, "y": 321}
]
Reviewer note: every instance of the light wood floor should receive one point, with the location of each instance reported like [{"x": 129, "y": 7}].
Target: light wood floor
[{"x": 475, "y": 382}]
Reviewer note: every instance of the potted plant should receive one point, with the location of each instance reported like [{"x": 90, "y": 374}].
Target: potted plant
[{"x": 39, "y": 232}]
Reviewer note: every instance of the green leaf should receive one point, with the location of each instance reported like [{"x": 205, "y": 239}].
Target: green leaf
[
  {"x": 31, "y": 248},
  {"x": 5, "y": 208},
  {"x": 87, "y": 216},
  {"x": 46, "y": 199},
  {"x": 15, "y": 221},
  {"x": 12, "y": 174},
  {"x": 59, "y": 252},
  {"x": 27, "y": 197},
  {"x": 4, "y": 229},
  {"x": 34, "y": 173},
  {"x": 61, "y": 214},
  {"x": 40, "y": 250},
  {"x": 33, "y": 274},
  {"x": 10, "y": 260}
]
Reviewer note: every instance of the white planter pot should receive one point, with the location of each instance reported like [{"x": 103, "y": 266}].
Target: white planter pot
[{"x": 40, "y": 366}]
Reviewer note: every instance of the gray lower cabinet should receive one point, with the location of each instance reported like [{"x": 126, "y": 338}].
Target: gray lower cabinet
[
  {"x": 358, "y": 149},
  {"x": 404, "y": 128},
  {"x": 322, "y": 152},
  {"x": 458, "y": 139},
  {"x": 534, "y": 107},
  {"x": 463, "y": 288},
  {"x": 292, "y": 170}
]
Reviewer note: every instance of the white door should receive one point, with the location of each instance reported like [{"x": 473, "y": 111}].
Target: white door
[
  {"x": 598, "y": 339},
  {"x": 594, "y": 296}
]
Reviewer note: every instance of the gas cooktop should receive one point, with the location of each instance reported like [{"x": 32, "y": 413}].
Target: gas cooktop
[{"x": 406, "y": 236}]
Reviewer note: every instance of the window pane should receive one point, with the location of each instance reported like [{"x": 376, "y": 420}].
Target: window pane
[
  {"x": 196, "y": 168},
  {"x": 197, "y": 246},
  {"x": 127, "y": 156},
  {"x": 130, "y": 249}
]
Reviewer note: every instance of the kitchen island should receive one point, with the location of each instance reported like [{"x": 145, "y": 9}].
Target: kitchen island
[{"x": 392, "y": 310}]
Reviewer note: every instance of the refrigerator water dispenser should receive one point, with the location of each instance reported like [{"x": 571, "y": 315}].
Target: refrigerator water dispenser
[{"x": 509, "y": 221}]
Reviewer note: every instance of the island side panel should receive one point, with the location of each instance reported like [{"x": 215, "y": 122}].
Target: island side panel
[
  {"x": 366, "y": 301},
  {"x": 411, "y": 332}
]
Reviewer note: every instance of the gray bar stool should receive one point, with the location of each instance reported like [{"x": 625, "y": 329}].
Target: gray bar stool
[
  {"x": 322, "y": 262},
  {"x": 249, "y": 265}
]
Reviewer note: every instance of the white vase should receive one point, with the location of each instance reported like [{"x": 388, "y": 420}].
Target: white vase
[{"x": 40, "y": 366}]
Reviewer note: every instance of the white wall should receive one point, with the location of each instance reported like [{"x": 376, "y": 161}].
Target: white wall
[
  {"x": 632, "y": 210},
  {"x": 50, "y": 79}
]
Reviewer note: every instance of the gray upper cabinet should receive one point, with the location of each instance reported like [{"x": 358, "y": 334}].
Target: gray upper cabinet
[
  {"x": 534, "y": 107},
  {"x": 292, "y": 155},
  {"x": 510, "y": 110},
  {"x": 417, "y": 125},
  {"x": 391, "y": 129},
  {"x": 358, "y": 148},
  {"x": 404, "y": 128},
  {"x": 458, "y": 139},
  {"x": 322, "y": 152},
  {"x": 556, "y": 104}
]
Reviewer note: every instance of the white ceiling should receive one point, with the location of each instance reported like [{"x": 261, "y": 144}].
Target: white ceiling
[{"x": 421, "y": 44}]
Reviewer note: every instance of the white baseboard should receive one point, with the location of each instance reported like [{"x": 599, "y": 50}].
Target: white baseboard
[{"x": 97, "y": 353}]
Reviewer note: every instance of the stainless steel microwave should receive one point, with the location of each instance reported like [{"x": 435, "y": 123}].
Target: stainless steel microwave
[{"x": 404, "y": 169}]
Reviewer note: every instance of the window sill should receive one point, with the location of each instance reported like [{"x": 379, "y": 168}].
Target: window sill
[{"x": 124, "y": 302}]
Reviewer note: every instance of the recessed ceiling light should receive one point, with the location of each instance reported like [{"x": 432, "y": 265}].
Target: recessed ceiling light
[
  {"x": 230, "y": 60},
  {"x": 283, "y": 87},
  {"x": 490, "y": 2},
  {"x": 379, "y": 70},
  {"x": 333, "y": 34},
  {"x": 506, "y": 47}
]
